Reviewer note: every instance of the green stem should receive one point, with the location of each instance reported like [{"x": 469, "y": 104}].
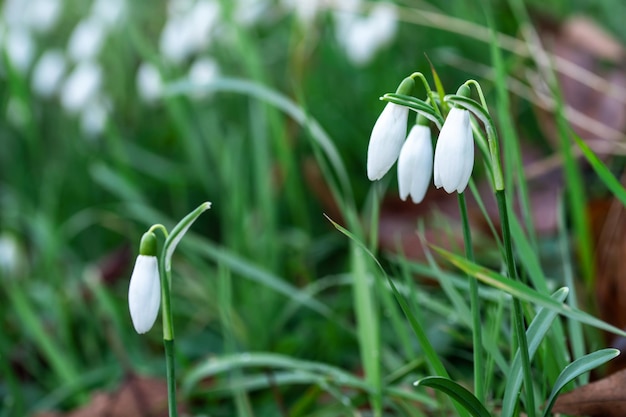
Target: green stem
[
  {"x": 171, "y": 377},
  {"x": 479, "y": 369},
  {"x": 518, "y": 313},
  {"x": 168, "y": 337}
]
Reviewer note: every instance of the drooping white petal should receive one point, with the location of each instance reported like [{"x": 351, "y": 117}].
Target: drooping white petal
[
  {"x": 454, "y": 154},
  {"x": 144, "y": 293},
  {"x": 415, "y": 164},
  {"x": 386, "y": 140}
]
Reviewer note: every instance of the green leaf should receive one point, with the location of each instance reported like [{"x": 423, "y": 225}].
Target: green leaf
[
  {"x": 575, "y": 369},
  {"x": 415, "y": 104},
  {"x": 473, "y": 106},
  {"x": 603, "y": 172},
  {"x": 523, "y": 292},
  {"x": 535, "y": 334},
  {"x": 457, "y": 392},
  {"x": 179, "y": 231}
]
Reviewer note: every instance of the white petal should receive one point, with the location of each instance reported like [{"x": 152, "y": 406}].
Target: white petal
[
  {"x": 144, "y": 293},
  {"x": 454, "y": 154},
  {"x": 415, "y": 164},
  {"x": 386, "y": 140}
]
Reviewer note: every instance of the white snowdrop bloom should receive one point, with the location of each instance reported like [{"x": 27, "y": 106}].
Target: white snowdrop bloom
[
  {"x": 203, "y": 71},
  {"x": 386, "y": 140},
  {"x": 93, "y": 117},
  {"x": 144, "y": 293},
  {"x": 48, "y": 73},
  {"x": 249, "y": 12},
  {"x": 108, "y": 12},
  {"x": 362, "y": 37},
  {"x": 20, "y": 47},
  {"x": 454, "y": 153},
  {"x": 11, "y": 254},
  {"x": 202, "y": 18},
  {"x": 305, "y": 10},
  {"x": 149, "y": 82},
  {"x": 383, "y": 22},
  {"x": 42, "y": 15},
  {"x": 187, "y": 32},
  {"x": 86, "y": 40},
  {"x": 81, "y": 86},
  {"x": 174, "y": 42},
  {"x": 415, "y": 164}
]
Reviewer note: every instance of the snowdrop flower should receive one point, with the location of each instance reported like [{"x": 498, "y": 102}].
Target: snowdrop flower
[
  {"x": 20, "y": 48},
  {"x": 388, "y": 135},
  {"x": 454, "y": 153},
  {"x": 48, "y": 73},
  {"x": 203, "y": 71},
  {"x": 93, "y": 117},
  {"x": 81, "y": 86},
  {"x": 144, "y": 291},
  {"x": 362, "y": 37},
  {"x": 86, "y": 40},
  {"x": 149, "y": 82},
  {"x": 415, "y": 164}
]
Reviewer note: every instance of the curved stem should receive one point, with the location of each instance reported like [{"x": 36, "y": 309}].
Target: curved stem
[
  {"x": 479, "y": 90},
  {"x": 429, "y": 92}
]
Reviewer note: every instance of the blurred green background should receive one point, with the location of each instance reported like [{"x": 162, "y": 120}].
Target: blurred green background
[{"x": 119, "y": 114}]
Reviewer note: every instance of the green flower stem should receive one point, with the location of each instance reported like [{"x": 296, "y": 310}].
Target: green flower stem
[
  {"x": 171, "y": 377},
  {"x": 168, "y": 335},
  {"x": 479, "y": 368},
  {"x": 518, "y": 313},
  {"x": 429, "y": 92}
]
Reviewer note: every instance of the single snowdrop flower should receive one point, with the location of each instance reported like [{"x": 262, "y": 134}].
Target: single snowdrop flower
[
  {"x": 454, "y": 153},
  {"x": 48, "y": 73},
  {"x": 86, "y": 40},
  {"x": 81, "y": 86},
  {"x": 415, "y": 164},
  {"x": 144, "y": 291},
  {"x": 20, "y": 47},
  {"x": 149, "y": 82},
  {"x": 388, "y": 135}
]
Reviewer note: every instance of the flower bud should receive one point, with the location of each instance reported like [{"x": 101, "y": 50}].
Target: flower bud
[{"x": 144, "y": 291}]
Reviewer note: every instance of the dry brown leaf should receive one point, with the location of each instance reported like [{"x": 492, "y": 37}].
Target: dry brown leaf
[
  {"x": 603, "y": 398},
  {"x": 136, "y": 397}
]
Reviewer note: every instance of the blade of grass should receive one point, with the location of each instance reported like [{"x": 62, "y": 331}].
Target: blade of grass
[
  {"x": 523, "y": 292},
  {"x": 576, "y": 368}
]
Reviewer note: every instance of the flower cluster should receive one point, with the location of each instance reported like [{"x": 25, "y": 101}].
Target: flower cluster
[{"x": 453, "y": 156}]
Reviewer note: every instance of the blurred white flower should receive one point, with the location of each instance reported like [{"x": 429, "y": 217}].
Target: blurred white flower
[
  {"x": 386, "y": 140},
  {"x": 144, "y": 293},
  {"x": 149, "y": 82},
  {"x": 37, "y": 15},
  {"x": 86, "y": 40},
  {"x": 189, "y": 31},
  {"x": 11, "y": 255},
  {"x": 42, "y": 15},
  {"x": 249, "y": 12},
  {"x": 20, "y": 47},
  {"x": 48, "y": 73},
  {"x": 305, "y": 10},
  {"x": 362, "y": 37},
  {"x": 415, "y": 164},
  {"x": 108, "y": 12},
  {"x": 203, "y": 71},
  {"x": 81, "y": 86},
  {"x": 454, "y": 153},
  {"x": 93, "y": 117}
]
